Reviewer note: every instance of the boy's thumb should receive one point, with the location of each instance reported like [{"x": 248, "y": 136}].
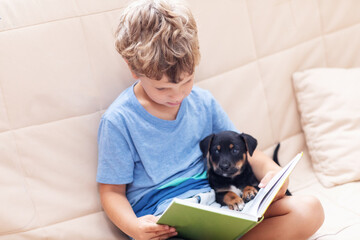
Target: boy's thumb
[
  {"x": 264, "y": 181},
  {"x": 261, "y": 184}
]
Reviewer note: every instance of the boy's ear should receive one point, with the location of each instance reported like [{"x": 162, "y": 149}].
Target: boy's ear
[
  {"x": 205, "y": 145},
  {"x": 132, "y": 72},
  {"x": 250, "y": 143}
]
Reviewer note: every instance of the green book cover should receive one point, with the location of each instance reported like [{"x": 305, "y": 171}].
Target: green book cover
[{"x": 195, "y": 221}]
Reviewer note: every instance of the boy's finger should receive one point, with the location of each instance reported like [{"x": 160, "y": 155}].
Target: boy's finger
[
  {"x": 165, "y": 236},
  {"x": 165, "y": 232},
  {"x": 264, "y": 181},
  {"x": 261, "y": 184},
  {"x": 160, "y": 228}
]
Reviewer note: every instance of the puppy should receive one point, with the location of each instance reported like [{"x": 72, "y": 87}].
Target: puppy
[
  {"x": 229, "y": 171},
  {"x": 276, "y": 160}
]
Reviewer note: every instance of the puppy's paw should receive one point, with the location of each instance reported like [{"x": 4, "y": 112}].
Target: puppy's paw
[
  {"x": 233, "y": 201},
  {"x": 249, "y": 193}
]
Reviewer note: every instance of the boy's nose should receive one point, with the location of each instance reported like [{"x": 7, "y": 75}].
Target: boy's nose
[
  {"x": 177, "y": 99},
  {"x": 177, "y": 96}
]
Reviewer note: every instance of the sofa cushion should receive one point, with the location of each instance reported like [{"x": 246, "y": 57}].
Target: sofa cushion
[{"x": 329, "y": 103}]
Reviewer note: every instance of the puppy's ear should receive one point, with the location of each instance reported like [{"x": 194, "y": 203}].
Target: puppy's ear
[
  {"x": 205, "y": 144},
  {"x": 250, "y": 143}
]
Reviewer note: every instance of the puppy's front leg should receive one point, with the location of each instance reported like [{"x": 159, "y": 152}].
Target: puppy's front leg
[
  {"x": 249, "y": 193},
  {"x": 231, "y": 199}
]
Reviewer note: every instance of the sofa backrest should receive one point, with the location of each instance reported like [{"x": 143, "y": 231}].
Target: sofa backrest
[{"x": 59, "y": 71}]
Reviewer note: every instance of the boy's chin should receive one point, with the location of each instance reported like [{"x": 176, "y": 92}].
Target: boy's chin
[
  {"x": 169, "y": 104},
  {"x": 173, "y": 104}
]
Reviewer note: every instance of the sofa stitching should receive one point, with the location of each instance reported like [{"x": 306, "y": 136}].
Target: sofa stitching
[
  {"x": 50, "y": 225},
  {"x": 59, "y": 19},
  {"x": 259, "y": 72},
  {"x": 90, "y": 62},
  {"x": 322, "y": 34},
  {"x": 18, "y": 164},
  {"x": 54, "y": 121},
  {"x": 334, "y": 234}
]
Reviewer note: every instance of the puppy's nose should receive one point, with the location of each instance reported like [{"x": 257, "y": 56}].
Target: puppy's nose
[{"x": 224, "y": 166}]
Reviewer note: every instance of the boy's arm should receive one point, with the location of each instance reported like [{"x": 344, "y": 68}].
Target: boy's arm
[
  {"x": 119, "y": 210},
  {"x": 264, "y": 169}
]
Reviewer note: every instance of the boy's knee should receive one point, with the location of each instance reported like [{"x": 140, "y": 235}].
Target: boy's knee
[
  {"x": 314, "y": 207},
  {"x": 311, "y": 214}
]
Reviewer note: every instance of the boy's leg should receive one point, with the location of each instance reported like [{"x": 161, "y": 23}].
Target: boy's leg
[{"x": 295, "y": 217}]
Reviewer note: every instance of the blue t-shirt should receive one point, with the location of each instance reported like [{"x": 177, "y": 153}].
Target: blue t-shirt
[{"x": 157, "y": 159}]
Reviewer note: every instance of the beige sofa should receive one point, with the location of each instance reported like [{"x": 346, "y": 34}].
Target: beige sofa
[{"x": 59, "y": 71}]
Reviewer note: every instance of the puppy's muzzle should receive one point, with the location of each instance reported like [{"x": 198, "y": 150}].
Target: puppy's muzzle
[
  {"x": 225, "y": 166},
  {"x": 226, "y": 169}
]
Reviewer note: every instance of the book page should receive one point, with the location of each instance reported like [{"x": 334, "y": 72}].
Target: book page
[
  {"x": 260, "y": 203},
  {"x": 224, "y": 211}
]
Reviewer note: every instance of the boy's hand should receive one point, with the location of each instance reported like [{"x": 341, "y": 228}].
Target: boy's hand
[
  {"x": 266, "y": 180},
  {"x": 148, "y": 229}
]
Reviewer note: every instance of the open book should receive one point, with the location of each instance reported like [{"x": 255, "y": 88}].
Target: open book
[{"x": 196, "y": 221}]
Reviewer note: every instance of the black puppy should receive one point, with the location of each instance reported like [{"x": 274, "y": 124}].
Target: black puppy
[
  {"x": 229, "y": 171},
  {"x": 276, "y": 160}
]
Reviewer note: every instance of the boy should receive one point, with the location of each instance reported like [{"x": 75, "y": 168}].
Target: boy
[{"x": 149, "y": 137}]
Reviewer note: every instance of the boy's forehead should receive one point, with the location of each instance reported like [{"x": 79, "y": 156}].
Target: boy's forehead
[{"x": 184, "y": 77}]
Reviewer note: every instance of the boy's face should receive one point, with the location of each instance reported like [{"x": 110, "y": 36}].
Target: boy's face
[{"x": 166, "y": 93}]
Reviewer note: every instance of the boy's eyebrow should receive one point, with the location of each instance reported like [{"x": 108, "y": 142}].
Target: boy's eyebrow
[
  {"x": 185, "y": 80},
  {"x": 178, "y": 83}
]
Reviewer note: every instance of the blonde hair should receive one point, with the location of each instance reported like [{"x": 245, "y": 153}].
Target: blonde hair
[{"x": 158, "y": 37}]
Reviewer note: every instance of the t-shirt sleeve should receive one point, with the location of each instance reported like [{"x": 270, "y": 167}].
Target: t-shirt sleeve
[
  {"x": 221, "y": 121},
  {"x": 115, "y": 161}
]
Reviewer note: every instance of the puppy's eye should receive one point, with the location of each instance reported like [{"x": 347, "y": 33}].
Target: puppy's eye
[
  {"x": 236, "y": 151},
  {"x": 217, "y": 151}
]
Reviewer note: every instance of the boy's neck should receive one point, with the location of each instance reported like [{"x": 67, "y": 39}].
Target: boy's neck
[{"x": 155, "y": 109}]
